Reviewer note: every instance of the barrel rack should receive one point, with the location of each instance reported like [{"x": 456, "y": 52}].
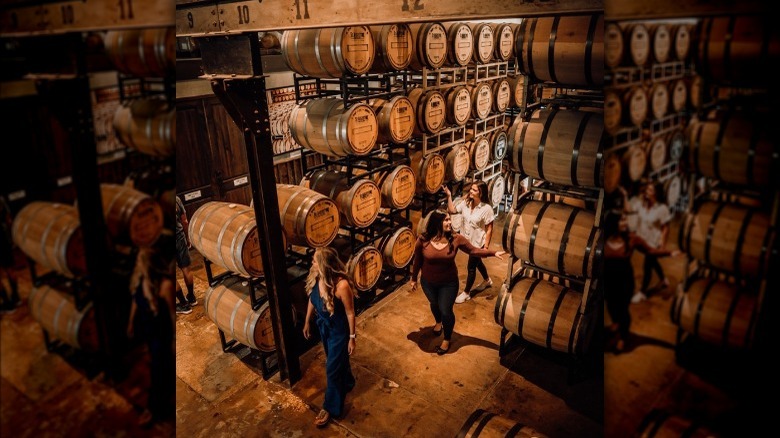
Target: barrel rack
[{"x": 64, "y": 87}]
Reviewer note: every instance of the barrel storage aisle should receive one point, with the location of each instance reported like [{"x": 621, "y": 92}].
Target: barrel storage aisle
[
  {"x": 101, "y": 131},
  {"x": 651, "y": 90},
  {"x": 726, "y": 198}
]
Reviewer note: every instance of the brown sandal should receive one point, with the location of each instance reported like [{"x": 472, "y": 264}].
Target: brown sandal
[{"x": 322, "y": 418}]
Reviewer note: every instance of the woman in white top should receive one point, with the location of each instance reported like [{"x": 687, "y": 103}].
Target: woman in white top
[
  {"x": 477, "y": 227},
  {"x": 651, "y": 223}
]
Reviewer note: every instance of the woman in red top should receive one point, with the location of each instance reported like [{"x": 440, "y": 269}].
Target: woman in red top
[{"x": 434, "y": 254}]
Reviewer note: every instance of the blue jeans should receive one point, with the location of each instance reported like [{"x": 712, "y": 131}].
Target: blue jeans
[{"x": 442, "y": 299}]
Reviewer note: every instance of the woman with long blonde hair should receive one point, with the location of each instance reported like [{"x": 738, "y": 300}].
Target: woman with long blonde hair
[{"x": 331, "y": 298}]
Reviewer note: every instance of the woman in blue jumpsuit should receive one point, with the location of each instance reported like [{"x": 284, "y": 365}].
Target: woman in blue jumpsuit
[{"x": 331, "y": 298}]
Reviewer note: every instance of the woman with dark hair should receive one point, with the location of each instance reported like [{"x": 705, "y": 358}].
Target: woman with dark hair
[
  {"x": 619, "y": 273},
  {"x": 331, "y": 298},
  {"x": 477, "y": 228},
  {"x": 434, "y": 255}
]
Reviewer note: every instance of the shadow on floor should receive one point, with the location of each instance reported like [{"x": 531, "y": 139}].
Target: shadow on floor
[
  {"x": 635, "y": 341},
  {"x": 427, "y": 341}
]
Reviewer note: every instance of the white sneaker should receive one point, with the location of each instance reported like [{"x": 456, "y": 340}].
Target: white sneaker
[
  {"x": 638, "y": 298},
  {"x": 462, "y": 297}
]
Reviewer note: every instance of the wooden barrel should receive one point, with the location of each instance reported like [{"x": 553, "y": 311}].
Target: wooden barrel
[
  {"x": 132, "y": 217},
  {"x": 430, "y": 45},
  {"x": 561, "y": 146},
  {"x": 394, "y": 47},
  {"x": 457, "y": 163},
  {"x": 505, "y": 42},
  {"x": 429, "y": 109},
  {"x": 672, "y": 190},
  {"x": 498, "y": 145},
  {"x": 542, "y": 313},
  {"x": 661, "y": 43},
  {"x": 501, "y": 95},
  {"x": 50, "y": 234},
  {"x": 554, "y": 236},
  {"x": 489, "y": 425},
  {"x": 656, "y": 152},
  {"x": 612, "y": 172},
  {"x": 396, "y": 187},
  {"x": 659, "y": 424},
  {"x": 271, "y": 40},
  {"x": 496, "y": 190},
  {"x": 678, "y": 91},
  {"x": 308, "y": 218},
  {"x": 484, "y": 42},
  {"x": 364, "y": 266},
  {"x": 147, "y": 125},
  {"x": 428, "y": 171},
  {"x": 229, "y": 306},
  {"x": 676, "y": 143},
  {"x": 717, "y": 312},
  {"x": 329, "y": 52},
  {"x": 550, "y": 197},
  {"x": 738, "y": 48},
  {"x": 460, "y": 44},
  {"x": 358, "y": 204},
  {"x": 227, "y": 235},
  {"x": 517, "y": 85},
  {"x": 563, "y": 49},
  {"x": 395, "y": 119},
  {"x": 398, "y": 248},
  {"x": 458, "y": 105},
  {"x": 479, "y": 152},
  {"x": 635, "y": 106},
  {"x": 56, "y": 312},
  {"x": 681, "y": 42},
  {"x": 142, "y": 52},
  {"x": 638, "y": 44},
  {"x": 635, "y": 162},
  {"x": 698, "y": 91},
  {"x": 730, "y": 237},
  {"x": 481, "y": 100},
  {"x": 613, "y": 112},
  {"x": 735, "y": 147},
  {"x": 614, "y": 49},
  {"x": 659, "y": 100},
  {"x": 324, "y": 126}
]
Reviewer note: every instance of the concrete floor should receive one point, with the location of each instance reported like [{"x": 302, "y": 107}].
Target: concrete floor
[
  {"x": 403, "y": 387},
  {"x": 63, "y": 393}
]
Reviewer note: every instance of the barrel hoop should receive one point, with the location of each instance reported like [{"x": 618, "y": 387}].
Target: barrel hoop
[
  {"x": 78, "y": 323},
  {"x": 575, "y": 153},
  {"x": 751, "y": 324},
  {"x": 727, "y": 47},
  {"x": 554, "y": 315},
  {"x": 689, "y": 235},
  {"x": 706, "y": 64},
  {"x": 574, "y": 328},
  {"x": 317, "y": 54},
  {"x": 741, "y": 241},
  {"x": 287, "y": 203},
  {"x": 521, "y": 317},
  {"x": 203, "y": 222},
  {"x": 764, "y": 249},
  {"x": 61, "y": 242},
  {"x": 237, "y": 245},
  {"x": 505, "y": 234},
  {"x": 532, "y": 239},
  {"x": 729, "y": 316},
  {"x": 710, "y": 231},
  {"x": 551, "y": 48},
  {"x": 222, "y": 234},
  {"x": 719, "y": 142},
  {"x": 519, "y": 150},
  {"x": 470, "y": 422},
  {"x": 565, "y": 239},
  {"x": 233, "y": 318},
  {"x": 337, "y": 51},
  {"x": 697, "y": 148},
  {"x": 27, "y": 223},
  {"x": 751, "y": 153},
  {"x": 45, "y": 236},
  {"x": 542, "y": 141},
  {"x": 56, "y": 321},
  {"x": 676, "y": 308},
  {"x": 588, "y": 249},
  {"x": 249, "y": 328},
  {"x": 530, "y": 46},
  {"x": 500, "y": 309},
  {"x": 483, "y": 422},
  {"x": 700, "y": 307},
  {"x": 511, "y": 433},
  {"x": 589, "y": 48}
]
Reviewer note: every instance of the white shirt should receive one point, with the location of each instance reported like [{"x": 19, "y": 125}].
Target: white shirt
[
  {"x": 474, "y": 222},
  {"x": 647, "y": 222}
]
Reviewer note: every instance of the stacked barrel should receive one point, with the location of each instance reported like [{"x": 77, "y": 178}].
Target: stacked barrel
[
  {"x": 646, "y": 102},
  {"x": 554, "y": 236},
  {"x": 730, "y": 229}
]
